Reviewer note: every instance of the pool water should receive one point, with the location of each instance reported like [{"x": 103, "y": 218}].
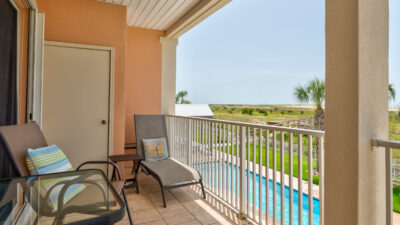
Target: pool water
[{"x": 315, "y": 203}]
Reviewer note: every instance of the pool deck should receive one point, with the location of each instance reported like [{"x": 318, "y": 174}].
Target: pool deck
[{"x": 396, "y": 218}]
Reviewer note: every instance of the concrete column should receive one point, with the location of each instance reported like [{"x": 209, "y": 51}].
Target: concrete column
[
  {"x": 356, "y": 110},
  {"x": 168, "y": 75}
]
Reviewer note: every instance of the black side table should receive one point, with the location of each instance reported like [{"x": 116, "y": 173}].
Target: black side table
[{"x": 135, "y": 158}]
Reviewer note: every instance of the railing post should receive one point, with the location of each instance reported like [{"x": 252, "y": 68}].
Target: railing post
[
  {"x": 172, "y": 142},
  {"x": 390, "y": 168},
  {"x": 189, "y": 149},
  {"x": 210, "y": 156},
  {"x": 321, "y": 179},
  {"x": 242, "y": 214},
  {"x": 389, "y": 186}
]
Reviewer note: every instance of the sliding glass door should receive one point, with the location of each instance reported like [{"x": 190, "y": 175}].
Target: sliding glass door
[
  {"x": 8, "y": 63},
  {"x": 8, "y": 81}
]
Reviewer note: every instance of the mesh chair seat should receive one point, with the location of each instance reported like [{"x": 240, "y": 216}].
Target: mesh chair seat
[{"x": 172, "y": 172}]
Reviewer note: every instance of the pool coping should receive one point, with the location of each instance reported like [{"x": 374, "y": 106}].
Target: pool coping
[{"x": 315, "y": 188}]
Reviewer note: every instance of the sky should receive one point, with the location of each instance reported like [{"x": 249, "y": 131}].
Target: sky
[{"x": 258, "y": 51}]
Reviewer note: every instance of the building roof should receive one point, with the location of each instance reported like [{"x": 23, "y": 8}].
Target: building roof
[{"x": 198, "y": 110}]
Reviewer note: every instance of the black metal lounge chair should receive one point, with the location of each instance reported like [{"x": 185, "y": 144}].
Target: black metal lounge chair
[
  {"x": 168, "y": 172},
  {"x": 15, "y": 141}
]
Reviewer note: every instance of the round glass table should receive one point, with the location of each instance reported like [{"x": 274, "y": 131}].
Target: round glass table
[{"x": 77, "y": 197}]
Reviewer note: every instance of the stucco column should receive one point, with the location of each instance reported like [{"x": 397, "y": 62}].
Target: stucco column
[
  {"x": 356, "y": 111},
  {"x": 168, "y": 75}
]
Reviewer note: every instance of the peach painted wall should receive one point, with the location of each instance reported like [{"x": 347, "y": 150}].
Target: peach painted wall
[
  {"x": 143, "y": 76},
  {"x": 95, "y": 23}
]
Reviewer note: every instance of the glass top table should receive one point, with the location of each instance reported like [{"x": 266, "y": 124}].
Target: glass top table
[{"x": 78, "y": 197}]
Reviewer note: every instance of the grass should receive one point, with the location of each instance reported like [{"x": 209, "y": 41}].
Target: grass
[
  {"x": 396, "y": 199},
  {"x": 278, "y": 161},
  {"x": 261, "y": 118}
]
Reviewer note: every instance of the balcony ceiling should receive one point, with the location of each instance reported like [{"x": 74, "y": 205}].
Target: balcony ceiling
[{"x": 155, "y": 14}]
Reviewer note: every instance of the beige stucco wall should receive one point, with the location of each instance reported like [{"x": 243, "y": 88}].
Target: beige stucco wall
[
  {"x": 356, "y": 110},
  {"x": 168, "y": 75}
]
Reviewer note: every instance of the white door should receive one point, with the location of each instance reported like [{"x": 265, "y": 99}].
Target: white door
[{"x": 76, "y": 100}]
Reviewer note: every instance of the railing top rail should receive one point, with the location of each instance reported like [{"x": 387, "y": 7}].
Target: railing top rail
[
  {"x": 386, "y": 143},
  {"x": 315, "y": 133}
]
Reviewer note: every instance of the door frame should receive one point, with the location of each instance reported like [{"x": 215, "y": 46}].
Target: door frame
[
  {"x": 17, "y": 60},
  {"x": 111, "y": 50},
  {"x": 35, "y": 70}
]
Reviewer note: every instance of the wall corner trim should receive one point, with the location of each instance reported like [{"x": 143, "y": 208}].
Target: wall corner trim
[{"x": 169, "y": 41}]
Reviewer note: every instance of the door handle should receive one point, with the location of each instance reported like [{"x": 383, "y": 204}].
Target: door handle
[{"x": 104, "y": 122}]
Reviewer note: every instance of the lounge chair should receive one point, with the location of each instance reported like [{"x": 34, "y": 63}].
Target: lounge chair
[
  {"x": 15, "y": 141},
  {"x": 168, "y": 172}
]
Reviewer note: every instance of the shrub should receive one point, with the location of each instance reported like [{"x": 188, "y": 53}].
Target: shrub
[
  {"x": 265, "y": 113},
  {"x": 290, "y": 111},
  {"x": 270, "y": 111},
  {"x": 282, "y": 112},
  {"x": 262, "y": 111},
  {"x": 251, "y": 111},
  {"x": 276, "y": 109},
  {"x": 302, "y": 112},
  {"x": 247, "y": 111}
]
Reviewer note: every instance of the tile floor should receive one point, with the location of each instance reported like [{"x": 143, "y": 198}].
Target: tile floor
[{"x": 184, "y": 206}]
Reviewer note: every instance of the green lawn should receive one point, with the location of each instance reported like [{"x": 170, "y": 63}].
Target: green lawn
[
  {"x": 278, "y": 161},
  {"x": 396, "y": 199}
]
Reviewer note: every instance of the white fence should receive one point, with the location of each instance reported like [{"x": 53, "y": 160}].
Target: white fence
[
  {"x": 396, "y": 170},
  {"x": 237, "y": 167},
  {"x": 389, "y": 147}
]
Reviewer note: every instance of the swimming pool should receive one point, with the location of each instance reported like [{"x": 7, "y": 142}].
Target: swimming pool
[{"x": 315, "y": 212}]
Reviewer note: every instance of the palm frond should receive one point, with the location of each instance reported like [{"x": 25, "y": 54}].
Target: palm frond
[
  {"x": 180, "y": 98},
  {"x": 301, "y": 94},
  {"x": 316, "y": 88},
  {"x": 392, "y": 92}
]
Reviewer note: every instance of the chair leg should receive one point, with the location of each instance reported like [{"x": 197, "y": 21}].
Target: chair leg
[
  {"x": 135, "y": 171},
  {"x": 127, "y": 207},
  {"x": 113, "y": 175},
  {"x": 202, "y": 188},
  {"x": 163, "y": 196}
]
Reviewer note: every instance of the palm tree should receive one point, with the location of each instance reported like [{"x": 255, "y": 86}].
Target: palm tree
[
  {"x": 314, "y": 91},
  {"x": 392, "y": 92},
  {"x": 180, "y": 98}
]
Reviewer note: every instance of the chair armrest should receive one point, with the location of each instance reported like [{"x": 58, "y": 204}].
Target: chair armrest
[
  {"x": 64, "y": 189},
  {"x": 102, "y": 162},
  {"x": 66, "y": 184}
]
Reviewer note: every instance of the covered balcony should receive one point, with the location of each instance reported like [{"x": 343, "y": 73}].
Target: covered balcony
[{"x": 81, "y": 69}]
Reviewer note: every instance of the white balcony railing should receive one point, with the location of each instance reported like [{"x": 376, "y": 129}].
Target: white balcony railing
[
  {"x": 238, "y": 168},
  {"x": 389, "y": 146}
]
